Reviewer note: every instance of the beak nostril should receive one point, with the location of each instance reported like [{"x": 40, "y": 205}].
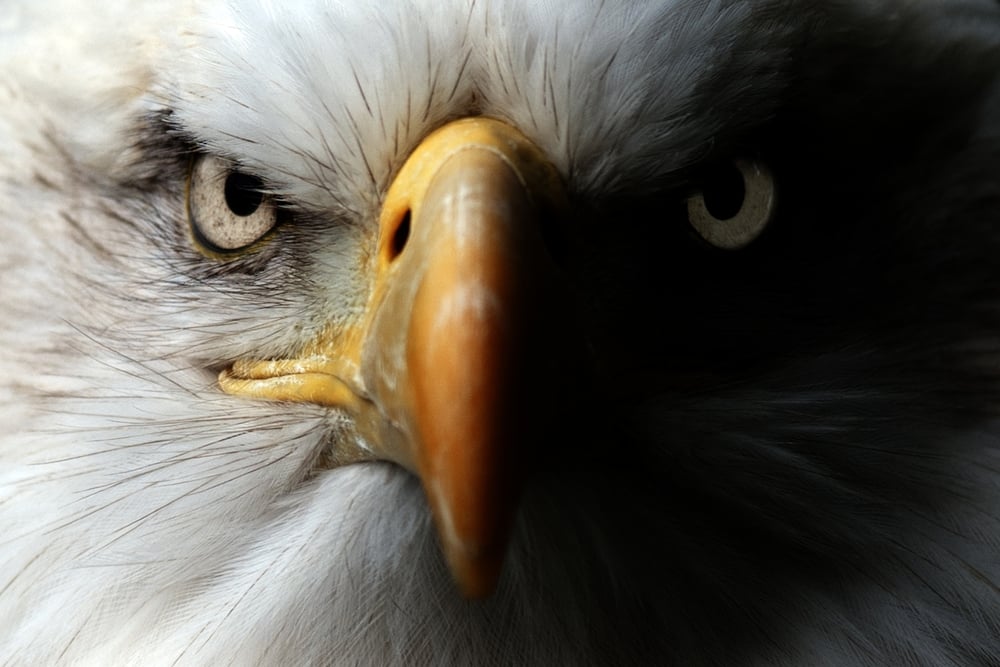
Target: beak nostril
[{"x": 400, "y": 237}]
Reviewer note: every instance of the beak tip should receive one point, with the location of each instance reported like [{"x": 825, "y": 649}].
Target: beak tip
[
  {"x": 476, "y": 574},
  {"x": 474, "y": 538}
]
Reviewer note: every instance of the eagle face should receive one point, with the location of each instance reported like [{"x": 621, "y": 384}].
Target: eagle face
[{"x": 502, "y": 332}]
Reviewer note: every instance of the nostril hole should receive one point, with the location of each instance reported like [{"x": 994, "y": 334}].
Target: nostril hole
[{"x": 400, "y": 237}]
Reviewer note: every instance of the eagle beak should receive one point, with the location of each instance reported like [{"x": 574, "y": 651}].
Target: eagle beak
[{"x": 446, "y": 371}]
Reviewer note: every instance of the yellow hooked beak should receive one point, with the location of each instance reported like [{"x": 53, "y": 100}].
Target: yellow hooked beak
[{"x": 439, "y": 372}]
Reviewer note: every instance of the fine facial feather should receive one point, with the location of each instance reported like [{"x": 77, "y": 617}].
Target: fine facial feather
[{"x": 799, "y": 467}]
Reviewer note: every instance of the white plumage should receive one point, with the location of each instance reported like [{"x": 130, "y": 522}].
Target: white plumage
[{"x": 838, "y": 506}]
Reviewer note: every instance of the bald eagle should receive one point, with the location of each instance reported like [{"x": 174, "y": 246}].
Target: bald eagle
[{"x": 500, "y": 332}]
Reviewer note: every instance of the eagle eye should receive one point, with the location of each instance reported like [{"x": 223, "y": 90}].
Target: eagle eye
[
  {"x": 736, "y": 203},
  {"x": 227, "y": 208}
]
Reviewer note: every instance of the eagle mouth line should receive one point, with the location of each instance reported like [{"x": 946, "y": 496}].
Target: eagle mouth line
[{"x": 318, "y": 380}]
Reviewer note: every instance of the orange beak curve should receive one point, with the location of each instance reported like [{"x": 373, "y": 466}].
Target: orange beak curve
[{"x": 439, "y": 373}]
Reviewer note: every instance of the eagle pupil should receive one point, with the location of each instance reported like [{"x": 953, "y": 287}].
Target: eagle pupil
[
  {"x": 243, "y": 193},
  {"x": 724, "y": 192}
]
